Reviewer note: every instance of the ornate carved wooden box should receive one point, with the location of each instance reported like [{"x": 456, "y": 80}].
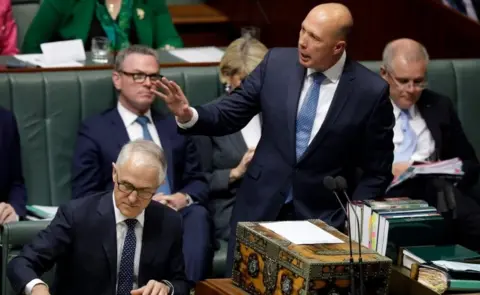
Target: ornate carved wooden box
[{"x": 266, "y": 263}]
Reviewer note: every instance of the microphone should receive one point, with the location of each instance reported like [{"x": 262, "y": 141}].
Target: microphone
[
  {"x": 330, "y": 184},
  {"x": 341, "y": 184}
]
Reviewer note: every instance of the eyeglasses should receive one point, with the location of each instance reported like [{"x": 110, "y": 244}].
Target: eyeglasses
[
  {"x": 405, "y": 84},
  {"x": 141, "y": 77},
  {"x": 128, "y": 188}
]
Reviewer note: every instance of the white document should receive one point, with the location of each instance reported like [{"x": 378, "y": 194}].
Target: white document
[
  {"x": 302, "y": 232},
  {"x": 458, "y": 266},
  {"x": 50, "y": 210},
  {"x": 39, "y": 60},
  {"x": 198, "y": 54},
  {"x": 63, "y": 51}
]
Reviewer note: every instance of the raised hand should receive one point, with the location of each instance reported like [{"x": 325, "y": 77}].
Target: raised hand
[{"x": 173, "y": 96}]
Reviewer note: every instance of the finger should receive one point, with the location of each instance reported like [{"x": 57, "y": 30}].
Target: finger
[
  {"x": 5, "y": 213},
  {"x": 164, "y": 84},
  {"x": 159, "y": 94},
  {"x": 170, "y": 85},
  {"x": 3, "y": 206},
  {"x": 149, "y": 287},
  {"x": 137, "y": 291},
  {"x": 177, "y": 88},
  {"x": 11, "y": 217},
  {"x": 164, "y": 291},
  {"x": 157, "y": 287}
]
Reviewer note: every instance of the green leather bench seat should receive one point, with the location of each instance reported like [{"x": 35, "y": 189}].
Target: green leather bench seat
[{"x": 49, "y": 107}]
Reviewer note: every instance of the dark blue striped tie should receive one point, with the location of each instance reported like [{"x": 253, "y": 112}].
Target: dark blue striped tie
[{"x": 126, "y": 273}]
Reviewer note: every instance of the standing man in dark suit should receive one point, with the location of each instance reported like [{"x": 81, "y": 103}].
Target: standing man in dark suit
[
  {"x": 427, "y": 128},
  {"x": 13, "y": 195},
  {"x": 322, "y": 114},
  {"x": 101, "y": 137},
  {"x": 111, "y": 243}
]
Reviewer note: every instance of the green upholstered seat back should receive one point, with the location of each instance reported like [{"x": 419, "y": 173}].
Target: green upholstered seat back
[{"x": 50, "y": 106}]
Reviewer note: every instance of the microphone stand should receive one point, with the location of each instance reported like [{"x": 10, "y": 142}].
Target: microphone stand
[
  {"x": 341, "y": 184},
  {"x": 330, "y": 184}
]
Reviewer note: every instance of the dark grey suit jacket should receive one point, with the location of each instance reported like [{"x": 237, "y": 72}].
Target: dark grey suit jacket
[{"x": 220, "y": 155}]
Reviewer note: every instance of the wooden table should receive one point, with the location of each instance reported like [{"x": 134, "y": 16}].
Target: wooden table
[{"x": 400, "y": 284}]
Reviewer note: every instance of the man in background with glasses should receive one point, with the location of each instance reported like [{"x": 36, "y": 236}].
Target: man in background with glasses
[
  {"x": 427, "y": 128},
  {"x": 115, "y": 242},
  {"x": 100, "y": 138}
]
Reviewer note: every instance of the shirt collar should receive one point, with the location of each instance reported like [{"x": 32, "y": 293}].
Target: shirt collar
[
  {"x": 128, "y": 117},
  {"x": 333, "y": 73},
  {"x": 396, "y": 110},
  {"x": 119, "y": 217}
]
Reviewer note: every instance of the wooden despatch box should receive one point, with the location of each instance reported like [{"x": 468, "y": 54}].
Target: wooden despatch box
[{"x": 266, "y": 263}]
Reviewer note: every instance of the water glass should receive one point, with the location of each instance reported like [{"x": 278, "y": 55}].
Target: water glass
[{"x": 100, "y": 49}]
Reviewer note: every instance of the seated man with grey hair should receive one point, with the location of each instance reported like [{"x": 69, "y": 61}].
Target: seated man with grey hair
[
  {"x": 428, "y": 129},
  {"x": 116, "y": 242},
  {"x": 100, "y": 138}
]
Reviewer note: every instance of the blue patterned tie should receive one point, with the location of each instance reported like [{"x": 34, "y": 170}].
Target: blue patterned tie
[
  {"x": 405, "y": 150},
  {"x": 306, "y": 116},
  {"x": 305, "y": 119},
  {"x": 143, "y": 121},
  {"x": 126, "y": 274}
]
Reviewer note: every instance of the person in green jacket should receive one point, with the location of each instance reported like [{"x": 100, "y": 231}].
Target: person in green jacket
[{"x": 123, "y": 22}]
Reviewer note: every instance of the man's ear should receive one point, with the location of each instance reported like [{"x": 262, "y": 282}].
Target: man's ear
[
  {"x": 114, "y": 172},
  {"x": 383, "y": 72},
  {"x": 116, "y": 80}
]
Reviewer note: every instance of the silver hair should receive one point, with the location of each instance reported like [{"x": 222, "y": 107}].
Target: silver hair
[
  {"x": 413, "y": 54},
  {"x": 133, "y": 49},
  {"x": 147, "y": 152}
]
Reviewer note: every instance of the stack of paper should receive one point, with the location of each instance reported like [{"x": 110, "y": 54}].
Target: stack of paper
[{"x": 302, "y": 232}]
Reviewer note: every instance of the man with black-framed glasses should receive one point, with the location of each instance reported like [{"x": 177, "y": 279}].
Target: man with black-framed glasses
[
  {"x": 428, "y": 129},
  {"x": 115, "y": 242},
  {"x": 100, "y": 138}
]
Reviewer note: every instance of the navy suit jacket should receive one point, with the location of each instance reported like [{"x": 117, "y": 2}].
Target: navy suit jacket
[
  {"x": 82, "y": 241},
  {"x": 100, "y": 140},
  {"x": 357, "y": 133},
  {"x": 12, "y": 185}
]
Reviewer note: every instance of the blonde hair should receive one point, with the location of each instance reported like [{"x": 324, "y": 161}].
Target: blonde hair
[{"x": 241, "y": 57}]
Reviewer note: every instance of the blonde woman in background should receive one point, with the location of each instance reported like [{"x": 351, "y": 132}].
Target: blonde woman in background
[{"x": 229, "y": 156}]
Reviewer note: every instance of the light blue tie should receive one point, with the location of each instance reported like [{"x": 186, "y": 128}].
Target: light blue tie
[
  {"x": 143, "y": 121},
  {"x": 405, "y": 150},
  {"x": 306, "y": 116},
  {"x": 305, "y": 119},
  {"x": 126, "y": 273}
]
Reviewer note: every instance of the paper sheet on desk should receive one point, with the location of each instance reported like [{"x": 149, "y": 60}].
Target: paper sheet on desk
[
  {"x": 39, "y": 60},
  {"x": 302, "y": 232},
  {"x": 198, "y": 54}
]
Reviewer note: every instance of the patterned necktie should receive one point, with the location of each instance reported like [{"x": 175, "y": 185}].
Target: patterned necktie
[
  {"x": 143, "y": 121},
  {"x": 126, "y": 274},
  {"x": 405, "y": 150},
  {"x": 305, "y": 119},
  {"x": 306, "y": 116}
]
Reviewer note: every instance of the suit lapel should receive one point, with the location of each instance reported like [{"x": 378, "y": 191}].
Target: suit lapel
[
  {"x": 142, "y": 18},
  {"x": 108, "y": 233},
  {"x": 426, "y": 107},
  {"x": 150, "y": 241},
  {"x": 165, "y": 140},
  {"x": 119, "y": 133},
  {"x": 294, "y": 90},
  {"x": 340, "y": 97}
]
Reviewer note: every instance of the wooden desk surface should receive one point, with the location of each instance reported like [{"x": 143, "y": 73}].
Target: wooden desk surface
[
  {"x": 196, "y": 14},
  {"x": 400, "y": 284}
]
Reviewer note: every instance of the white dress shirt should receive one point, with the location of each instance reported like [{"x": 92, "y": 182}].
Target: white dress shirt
[
  {"x": 327, "y": 91},
  {"x": 121, "y": 229},
  {"x": 252, "y": 132},
  {"x": 425, "y": 143},
  {"x": 134, "y": 129}
]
